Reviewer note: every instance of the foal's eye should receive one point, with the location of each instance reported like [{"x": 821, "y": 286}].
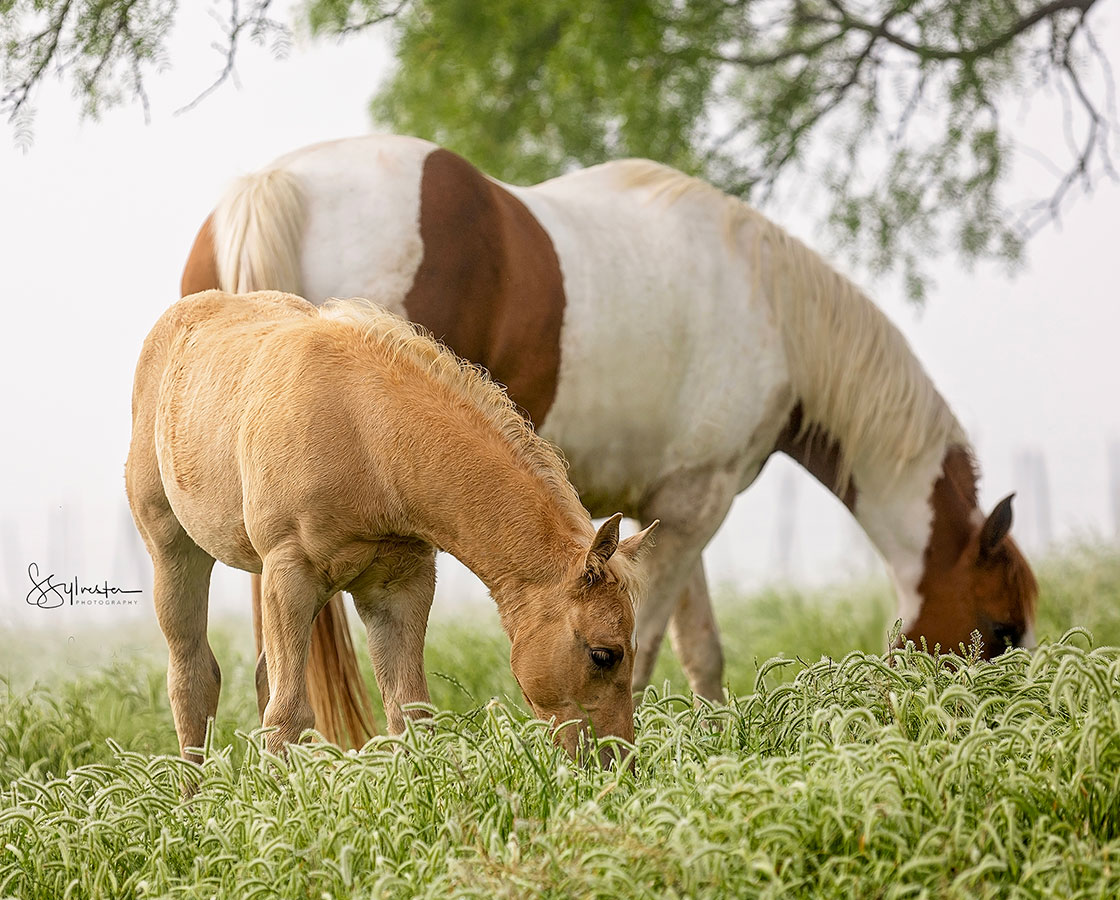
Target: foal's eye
[{"x": 603, "y": 657}]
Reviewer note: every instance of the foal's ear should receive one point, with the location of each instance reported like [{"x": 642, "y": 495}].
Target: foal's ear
[
  {"x": 637, "y": 545},
  {"x": 603, "y": 546},
  {"x": 996, "y": 526}
]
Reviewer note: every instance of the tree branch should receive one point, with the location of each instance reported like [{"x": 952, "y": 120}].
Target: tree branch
[
  {"x": 257, "y": 20},
  {"x": 354, "y": 27},
  {"x": 771, "y": 59},
  {"x": 961, "y": 54},
  {"x": 15, "y": 99}
]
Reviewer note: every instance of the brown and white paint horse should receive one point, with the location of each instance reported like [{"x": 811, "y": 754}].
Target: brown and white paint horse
[
  {"x": 668, "y": 339},
  {"x": 335, "y": 450}
]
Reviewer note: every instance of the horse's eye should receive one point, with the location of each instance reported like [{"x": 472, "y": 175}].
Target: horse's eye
[
  {"x": 1004, "y": 634},
  {"x": 603, "y": 657}
]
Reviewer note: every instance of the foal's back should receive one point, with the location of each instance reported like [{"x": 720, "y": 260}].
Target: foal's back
[{"x": 263, "y": 424}]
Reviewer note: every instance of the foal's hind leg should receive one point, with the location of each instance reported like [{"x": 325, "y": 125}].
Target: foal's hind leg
[
  {"x": 393, "y": 601},
  {"x": 182, "y": 569},
  {"x": 181, "y": 589},
  {"x": 291, "y": 597}
]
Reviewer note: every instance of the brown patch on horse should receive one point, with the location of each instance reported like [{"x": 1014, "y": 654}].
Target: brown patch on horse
[
  {"x": 818, "y": 452},
  {"x": 201, "y": 270},
  {"x": 975, "y": 578},
  {"x": 489, "y": 285},
  {"x": 953, "y": 501}
]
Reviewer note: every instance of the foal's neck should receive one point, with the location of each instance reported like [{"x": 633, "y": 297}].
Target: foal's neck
[{"x": 504, "y": 521}]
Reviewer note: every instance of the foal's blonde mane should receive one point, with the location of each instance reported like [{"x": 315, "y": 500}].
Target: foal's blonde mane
[
  {"x": 404, "y": 342},
  {"x": 850, "y": 367}
]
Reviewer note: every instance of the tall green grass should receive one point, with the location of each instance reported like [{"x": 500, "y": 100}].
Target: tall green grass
[{"x": 847, "y": 775}]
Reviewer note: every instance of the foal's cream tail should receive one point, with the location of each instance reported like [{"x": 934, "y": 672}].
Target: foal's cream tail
[{"x": 256, "y": 234}]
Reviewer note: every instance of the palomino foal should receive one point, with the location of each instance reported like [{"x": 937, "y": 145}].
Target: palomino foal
[{"x": 336, "y": 450}]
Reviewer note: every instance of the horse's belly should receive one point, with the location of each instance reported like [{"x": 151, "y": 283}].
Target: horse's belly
[{"x": 618, "y": 457}]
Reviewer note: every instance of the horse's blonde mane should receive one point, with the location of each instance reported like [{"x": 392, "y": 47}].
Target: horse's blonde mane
[
  {"x": 403, "y": 341},
  {"x": 851, "y": 369}
]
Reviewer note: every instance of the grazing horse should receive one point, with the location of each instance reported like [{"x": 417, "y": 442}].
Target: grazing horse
[
  {"x": 668, "y": 339},
  {"x": 336, "y": 449}
]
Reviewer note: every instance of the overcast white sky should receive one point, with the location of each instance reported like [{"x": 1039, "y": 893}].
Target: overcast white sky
[{"x": 97, "y": 217}]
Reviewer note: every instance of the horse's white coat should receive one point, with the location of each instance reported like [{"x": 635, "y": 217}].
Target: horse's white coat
[
  {"x": 362, "y": 237},
  {"x": 673, "y": 384},
  {"x": 897, "y": 517},
  {"x": 703, "y": 389},
  {"x": 648, "y": 290}
]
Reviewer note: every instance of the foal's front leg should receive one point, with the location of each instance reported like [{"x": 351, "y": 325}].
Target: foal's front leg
[
  {"x": 292, "y": 595},
  {"x": 394, "y": 602},
  {"x": 181, "y": 592}
]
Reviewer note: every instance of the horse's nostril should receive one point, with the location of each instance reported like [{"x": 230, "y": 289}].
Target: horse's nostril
[{"x": 1005, "y": 635}]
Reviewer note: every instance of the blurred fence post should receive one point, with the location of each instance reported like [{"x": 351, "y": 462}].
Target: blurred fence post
[
  {"x": 863, "y": 558},
  {"x": 1033, "y": 519},
  {"x": 14, "y": 567},
  {"x": 63, "y": 552},
  {"x": 785, "y": 531}
]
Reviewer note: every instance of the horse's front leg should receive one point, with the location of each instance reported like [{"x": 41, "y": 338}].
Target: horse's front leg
[
  {"x": 394, "y": 599},
  {"x": 691, "y": 507},
  {"x": 292, "y": 595},
  {"x": 695, "y": 637}
]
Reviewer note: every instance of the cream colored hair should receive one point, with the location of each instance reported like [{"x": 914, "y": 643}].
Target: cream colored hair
[
  {"x": 850, "y": 367},
  {"x": 257, "y": 229},
  {"x": 258, "y": 226}
]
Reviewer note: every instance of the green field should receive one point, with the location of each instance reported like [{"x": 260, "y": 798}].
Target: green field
[{"x": 829, "y": 774}]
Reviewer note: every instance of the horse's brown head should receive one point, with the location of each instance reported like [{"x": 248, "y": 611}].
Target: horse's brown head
[
  {"x": 573, "y": 650},
  {"x": 975, "y": 580}
]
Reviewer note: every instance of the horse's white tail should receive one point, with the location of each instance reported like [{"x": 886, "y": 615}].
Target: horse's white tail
[{"x": 258, "y": 227}]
